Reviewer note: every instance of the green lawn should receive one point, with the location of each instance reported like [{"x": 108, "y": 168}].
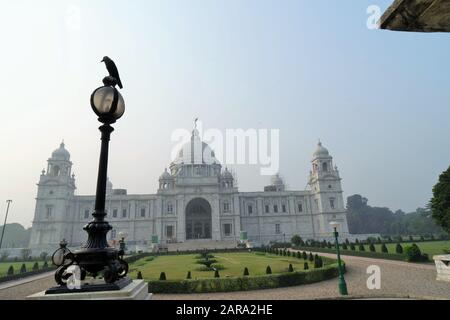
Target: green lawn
[
  {"x": 177, "y": 266},
  {"x": 431, "y": 248},
  {"x": 4, "y": 266}
]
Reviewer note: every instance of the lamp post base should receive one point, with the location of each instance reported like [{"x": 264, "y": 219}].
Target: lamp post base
[
  {"x": 343, "y": 287},
  {"x": 94, "y": 285}
]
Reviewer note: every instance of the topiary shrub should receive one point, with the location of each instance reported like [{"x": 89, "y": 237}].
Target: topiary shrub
[
  {"x": 298, "y": 255},
  {"x": 384, "y": 248},
  {"x": 10, "y": 271},
  {"x": 361, "y": 247},
  {"x": 216, "y": 274},
  {"x": 246, "y": 273},
  {"x": 311, "y": 257},
  {"x": 35, "y": 266},
  {"x": 268, "y": 270},
  {"x": 291, "y": 268},
  {"x": 23, "y": 269},
  {"x": 45, "y": 265},
  {"x": 162, "y": 276},
  {"x": 413, "y": 254},
  {"x": 344, "y": 246},
  {"x": 189, "y": 275},
  {"x": 352, "y": 247},
  {"x": 304, "y": 255},
  {"x": 306, "y": 266},
  {"x": 139, "y": 276},
  {"x": 399, "y": 249},
  {"x": 372, "y": 248},
  {"x": 411, "y": 238}
]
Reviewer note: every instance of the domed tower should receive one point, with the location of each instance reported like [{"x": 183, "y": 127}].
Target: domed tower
[
  {"x": 56, "y": 189},
  {"x": 327, "y": 195},
  {"x": 166, "y": 181},
  {"x": 196, "y": 163}
]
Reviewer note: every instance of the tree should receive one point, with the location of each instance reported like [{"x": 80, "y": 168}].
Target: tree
[
  {"x": 384, "y": 248},
  {"x": 139, "y": 275},
  {"x": 311, "y": 257},
  {"x": 304, "y": 255},
  {"x": 43, "y": 256},
  {"x": 296, "y": 240},
  {"x": 25, "y": 253},
  {"x": 372, "y": 248},
  {"x": 440, "y": 203},
  {"x": 361, "y": 247},
  {"x": 306, "y": 266},
  {"x": 246, "y": 273},
  {"x": 352, "y": 247},
  {"x": 216, "y": 274},
  {"x": 291, "y": 268},
  {"x": 162, "y": 276},
  {"x": 399, "y": 249},
  {"x": 189, "y": 275},
  {"x": 35, "y": 266},
  {"x": 23, "y": 269},
  {"x": 268, "y": 270}
]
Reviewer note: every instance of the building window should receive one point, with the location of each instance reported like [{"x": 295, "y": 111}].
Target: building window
[
  {"x": 113, "y": 234},
  {"x": 332, "y": 203},
  {"x": 49, "y": 212},
  {"x": 169, "y": 232},
  {"x": 325, "y": 167},
  {"x": 300, "y": 207},
  {"x": 115, "y": 213},
  {"x": 142, "y": 212},
  {"x": 250, "y": 209},
  {"x": 278, "y": 228},
  {"x": 283, "y": 207},
  {"x": 275, "y": 208},
  {"x": 170, "y": 208},
  {"x": 267, "y": 209},
  {"x": 86, "y": 214},
  {"x": 124, "y": 213},
  {"x": 227, "y": 229},
  {"x": 226, "y": 207}
]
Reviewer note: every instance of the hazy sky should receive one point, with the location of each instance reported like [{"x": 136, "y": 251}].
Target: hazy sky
[{"x": 378, "y": 100}]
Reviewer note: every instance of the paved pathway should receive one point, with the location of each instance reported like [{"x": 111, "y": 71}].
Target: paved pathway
[{"x": 398, "y": 280}]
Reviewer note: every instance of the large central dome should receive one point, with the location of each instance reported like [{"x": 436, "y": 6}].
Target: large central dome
[{"x": 196, "y": 152}]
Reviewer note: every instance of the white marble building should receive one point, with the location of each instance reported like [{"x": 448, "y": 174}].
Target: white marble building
[{"x": 197, "y": 201}]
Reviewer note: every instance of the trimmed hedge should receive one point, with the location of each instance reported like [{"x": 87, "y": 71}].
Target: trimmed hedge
[
  {"x": 367, "y": 254},
  {"x": 244, "y": 283}
]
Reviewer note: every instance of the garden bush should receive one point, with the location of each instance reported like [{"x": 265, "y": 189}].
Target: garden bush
[
  {"x": 35, "y": 266},
  {"x": 162, "y": 276},
  {"x": 372, "y": 248},
  {"x": 384, "y": 248},
  {"x": 291, "y": 268},
  {"x": 216, "y": 274},
  {"x": 306, "y": 266},
  {"x": 45, "y": 265},
  {"x": 10, "y": 271},
  {"x": 344, "y": 246},
  {"x": 139, "y": 275},
  {"x": 361, "y": 247},
  {"x": 352, "y": 247},
  {"x": 23, "y": 269},
  {"x": 304, "y": 255},
  {"x": 299, "y": 255},
  {"x": 246, "y": 273},
  {"x": 413, "y": 254},
  {"x": 399, "y": 249},
  {"x": 311, "y": 257},
  {"x": 268, "y": 270}
]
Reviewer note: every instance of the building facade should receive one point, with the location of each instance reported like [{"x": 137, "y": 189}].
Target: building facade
[{"x": 197, "y": 201}]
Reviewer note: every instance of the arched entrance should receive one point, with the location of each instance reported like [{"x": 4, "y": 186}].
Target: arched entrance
[{"x": 198, "y": 220}]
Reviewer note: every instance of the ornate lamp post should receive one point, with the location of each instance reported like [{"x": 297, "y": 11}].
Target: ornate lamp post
[
  {"x": 342, "y": 285},
  {"x": 96, "y": 256}
]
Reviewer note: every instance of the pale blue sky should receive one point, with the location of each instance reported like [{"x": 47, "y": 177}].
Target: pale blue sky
[{"x": 377, "y": 99}]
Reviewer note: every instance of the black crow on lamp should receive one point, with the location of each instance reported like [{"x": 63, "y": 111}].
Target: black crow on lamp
[{"x": 112, "y": 69}]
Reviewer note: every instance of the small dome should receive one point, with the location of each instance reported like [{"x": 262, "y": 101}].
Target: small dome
[
  {"x": 321, "y": 151},
  {"x": 166, "y": 175},
  {"x": 227, "y": 174},
  {"x": 61, "y": 153},
  {"x": 276, "y": 180}
]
